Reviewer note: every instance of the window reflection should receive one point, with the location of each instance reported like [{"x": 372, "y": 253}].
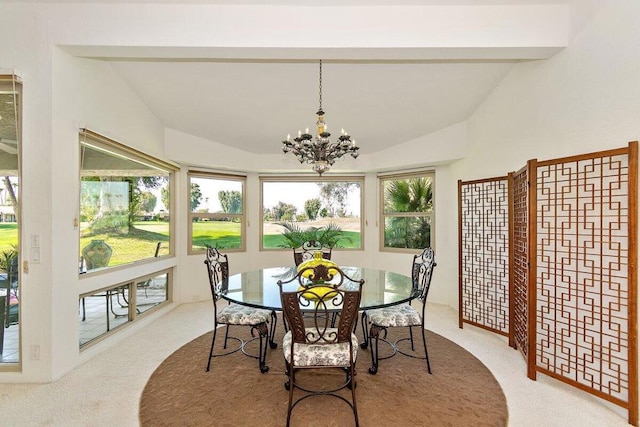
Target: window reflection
[
  {"x": 151, "y": 292},
  {"x": 103, "y": 311}
]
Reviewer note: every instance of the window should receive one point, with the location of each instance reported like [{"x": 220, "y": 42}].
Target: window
[
  {"x": 105, "y": 310},
  {"x": 407, "y": 211},
  {"x": 291, "y": 205},
  {"x": 10, "y": 146},
  {"x": 216, "y": 211},
  {"x": 124, "y": 204}
]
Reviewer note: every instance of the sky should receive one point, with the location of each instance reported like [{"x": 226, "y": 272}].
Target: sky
[
  {"x": 292, "y": 193},
  {"x": 287, "y": 192}
]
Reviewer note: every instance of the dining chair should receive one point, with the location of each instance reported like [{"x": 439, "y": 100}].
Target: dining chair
[
  {"x": 312, "y": 341},
  {"x": 376, "y": 322},
  {"x": 306, "y": 251},
  {"x": 257, "y": 319}
]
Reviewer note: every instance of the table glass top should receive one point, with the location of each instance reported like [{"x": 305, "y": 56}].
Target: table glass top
[{"x": 259, "y": 288}]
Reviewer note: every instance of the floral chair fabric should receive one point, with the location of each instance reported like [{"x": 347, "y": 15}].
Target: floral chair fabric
[
  {"x": 395, "y": 316},
  {"x": 326, "y": 354},
  {"x": 235, "y": 314}
]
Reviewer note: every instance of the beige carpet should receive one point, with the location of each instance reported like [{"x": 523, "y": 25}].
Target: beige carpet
[{"x": 460, "y": 392}]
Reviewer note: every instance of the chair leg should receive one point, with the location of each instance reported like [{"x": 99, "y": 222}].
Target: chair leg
[
  {"x": 365, "y": 333},
  {"x": 426, "y": 353},
  {"x": 213, "y": 341},
  {"x": 272, "y": 330},
  {"x": 292, "y": 385},
  {"x": 353, "y": 394},
  {"x": 411, "y": 336},
  {"x": 226, "y": 337},
  {"x": 264, "y": 336},
  {"x": 374, "y": 334}
]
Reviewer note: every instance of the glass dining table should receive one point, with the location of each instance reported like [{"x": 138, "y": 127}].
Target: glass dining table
[{"x": 259, "y": 288}]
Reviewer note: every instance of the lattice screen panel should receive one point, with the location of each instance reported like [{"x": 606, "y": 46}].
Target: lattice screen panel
[
  {"x": 484, "y": 253},
  {"x": 520, "y": 265},
  {"x": 585, "y": 300}
]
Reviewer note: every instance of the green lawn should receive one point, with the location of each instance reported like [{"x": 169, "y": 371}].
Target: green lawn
[
  {"x": 8, "y": 236},
  {"x": 141, "y": 242},
  {"x": 351, "y": 240}
]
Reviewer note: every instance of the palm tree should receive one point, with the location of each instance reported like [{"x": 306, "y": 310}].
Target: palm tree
[
  {"x": 328, "y": 236},
  {"x": 408, "y": 195}
]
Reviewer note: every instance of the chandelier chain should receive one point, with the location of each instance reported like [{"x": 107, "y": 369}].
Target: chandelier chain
[{"x": 321, "y": 85}]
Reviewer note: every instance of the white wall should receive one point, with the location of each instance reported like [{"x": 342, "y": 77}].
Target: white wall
[{"x": 583, "y": 99}]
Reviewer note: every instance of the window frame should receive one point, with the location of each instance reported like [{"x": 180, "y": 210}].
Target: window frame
[
  {"x": 313, "y": 179},
  {"x": 99, "y": 142},
  {"x": 12, "y": 83},
  {"x": 191, "y": 215},
  {"x": 429, "y": 173},
  {"x": 132, "y": 314}
]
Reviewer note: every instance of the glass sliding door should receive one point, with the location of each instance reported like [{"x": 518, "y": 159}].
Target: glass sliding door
[{"x": 10, "y": 132}]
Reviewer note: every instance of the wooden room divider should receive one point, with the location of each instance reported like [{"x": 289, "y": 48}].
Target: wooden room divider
[
  {"x": 572, "y": 268},
  {"x": 483, "y": 249}
]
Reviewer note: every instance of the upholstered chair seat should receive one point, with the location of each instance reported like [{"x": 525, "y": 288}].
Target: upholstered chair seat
[
  {"x": 236, "y": 314},
  {"x": 320, "y": 354},
  {"x": 395, "y": 316}
]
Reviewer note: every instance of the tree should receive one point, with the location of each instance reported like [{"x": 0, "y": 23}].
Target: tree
[
  {"x": 195, "y": 197},
  {"x": 138, "y": 185},
  {"x": 328, "y": 236},
  {"x": 231, "y": 201},
  {"x": 147, "y": 202},
  {"x": 312, "y": 207},
  {"x": 283, "y": 211},
  {"x": 164, "y": 196},
  {"x": 408, "y": 195},
  {"x": 336, "y": 196},
  {"x": 8, "y": 185}
]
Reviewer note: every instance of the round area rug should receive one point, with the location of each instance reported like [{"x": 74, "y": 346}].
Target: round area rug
[{"x": 460, "y": 392}]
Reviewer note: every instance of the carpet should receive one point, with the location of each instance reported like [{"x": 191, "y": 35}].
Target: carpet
[{"x": 460, "y": 392}]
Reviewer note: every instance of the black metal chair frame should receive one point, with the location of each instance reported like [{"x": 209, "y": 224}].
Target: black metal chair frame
[
  {"x": 421, "y": 273},
  {"x": 307, "y": 249},
  {"x": 218, "y": 272},
  {"x": 310, "y": 315}
]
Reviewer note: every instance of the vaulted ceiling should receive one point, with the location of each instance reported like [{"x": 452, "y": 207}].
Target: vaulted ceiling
[{"x": 383, "y": 96}]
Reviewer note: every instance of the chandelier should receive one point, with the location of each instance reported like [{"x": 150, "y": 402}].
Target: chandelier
[{"x": 319, "y": 151}]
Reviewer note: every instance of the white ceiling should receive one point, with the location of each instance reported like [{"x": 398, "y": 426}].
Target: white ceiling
[
  {"x": 252, "y": 102},
  {"x": 252, "y": 106}
]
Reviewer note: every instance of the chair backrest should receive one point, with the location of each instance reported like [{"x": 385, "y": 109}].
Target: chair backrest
[
  {"x": 422, "y": 271},
  {"x": 306, "y": 251},
  {"x": 321, "y": 293},
  {"x": 218, "y": 271}
]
